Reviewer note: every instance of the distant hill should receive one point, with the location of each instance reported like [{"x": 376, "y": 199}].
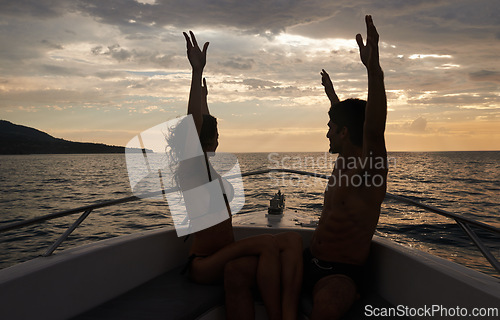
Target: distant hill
[{"x": 17, "y": 139}]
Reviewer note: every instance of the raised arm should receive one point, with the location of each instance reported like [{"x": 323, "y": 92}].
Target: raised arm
[
  {"x": 376, "y": 106},
  {"x": 204, "y": 95},
  {"x": 197, "y": 59},
  {"x": 329, "y": 90}
]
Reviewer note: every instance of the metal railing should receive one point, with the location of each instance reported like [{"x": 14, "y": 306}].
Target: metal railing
[{"x": 463, "y": 222}]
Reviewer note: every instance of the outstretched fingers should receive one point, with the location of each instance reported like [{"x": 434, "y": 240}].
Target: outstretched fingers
[
  {"x": 325, "y": 77},
  {"x": 196, "y": 57},
  {"x": 192, "y": 43},
  {"x": 189, "y": 45},
  {"x": 369, "y": 52},
  {"x": 195, "y": 43},
  {"x": 371, "y": 32},
  {"x": 368, "y": 20},
  {"x": 359, "y": 40},
  {"x": 327, "y": 83}
]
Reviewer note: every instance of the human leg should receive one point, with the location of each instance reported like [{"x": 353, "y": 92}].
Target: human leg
[
  {"x": 265, "y": 247},
  {"x": 239, "y": 280},
  {"x": 333, "y": 296},
  {"x": 290, "y": 244}
]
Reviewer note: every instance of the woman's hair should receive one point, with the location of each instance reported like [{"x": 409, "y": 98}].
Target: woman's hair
[
  {"x": 350, "y": 113},
  {"x": 177, "y": 144},
  {"x": 208, "y": 131}
]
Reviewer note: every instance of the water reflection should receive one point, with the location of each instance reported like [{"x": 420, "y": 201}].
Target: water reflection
[{"x": 463, "y": 183}]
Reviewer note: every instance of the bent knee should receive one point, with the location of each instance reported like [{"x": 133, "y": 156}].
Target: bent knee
[
  {"x": 290, "y": 240},
  {"x": 325, "y": 309},
  {"x": 294, "y": 238},
  {"x": 269, "y": 244},
  {"x": 240, "y": 272},
  {"x": 240, "y": 266},
  {"x": 331, "y": 306}
]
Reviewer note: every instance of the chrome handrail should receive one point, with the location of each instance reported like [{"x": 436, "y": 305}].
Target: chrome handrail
[
  {"x": 28, "y": 222},
  {"x": 463, "y": 222}
]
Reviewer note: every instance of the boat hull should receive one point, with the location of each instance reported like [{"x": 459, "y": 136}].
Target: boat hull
[{"x": 76, "y": 280}]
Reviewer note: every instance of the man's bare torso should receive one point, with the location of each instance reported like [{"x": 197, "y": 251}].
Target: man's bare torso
[{"x": 348, "y": 220}]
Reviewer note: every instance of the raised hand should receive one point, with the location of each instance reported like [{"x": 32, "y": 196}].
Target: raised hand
[
  {"x": 329, "y": 90},
  {"x": 197, "y": 58},
  {"x": 369, "y": 53}
]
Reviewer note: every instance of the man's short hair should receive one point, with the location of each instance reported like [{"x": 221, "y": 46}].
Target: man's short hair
[{"x": 350, "y": 113}]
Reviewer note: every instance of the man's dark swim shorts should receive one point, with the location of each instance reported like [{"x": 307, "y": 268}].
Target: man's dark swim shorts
[{"x": 315, "y": 269}]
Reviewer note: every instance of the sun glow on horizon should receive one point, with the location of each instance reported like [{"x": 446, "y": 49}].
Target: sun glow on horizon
[{"x": 101, "y": 75}]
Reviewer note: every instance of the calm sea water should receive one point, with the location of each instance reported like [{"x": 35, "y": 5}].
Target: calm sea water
[{"x": 465, "y": 183}]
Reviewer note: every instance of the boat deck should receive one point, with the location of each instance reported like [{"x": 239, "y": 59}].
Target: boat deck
[
  {"x": 137, "y": 276},
  {"x": 173, "y": 296}
]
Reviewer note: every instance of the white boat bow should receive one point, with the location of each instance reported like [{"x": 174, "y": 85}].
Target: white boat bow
[{"x": 137, "y": 276}]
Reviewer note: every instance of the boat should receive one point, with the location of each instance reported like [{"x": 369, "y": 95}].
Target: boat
[
  {"x": 138, "y": 276},
  {"x": 276, "y": 206},
  {"x": 277, "y": 203}
]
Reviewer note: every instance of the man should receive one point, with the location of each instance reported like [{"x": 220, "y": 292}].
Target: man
[
  {"x": 341, "y": 242},
  {"x": 355, "y": 191}
]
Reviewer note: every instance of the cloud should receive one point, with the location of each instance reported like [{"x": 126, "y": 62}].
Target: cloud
[
  {"x": 142, "y": 57},
  {"x": 52, "y": 45},
  {"x": 259, "y": 16},
  {"x": 59, "y": 70},
  {"x": 110, "y": 74},
  {"x": 438, "y": 25},
  {"x": 449, "y": 99},
  {"x": 115, "y": 51},
  {"x": 118, "y": 53},
  {"x": 263, "y": 54},
  {"x": 317, "y": 18},
  {"x": 34, "y": 8},
  {"x": 418, "y": 125},
  {"x": 259, "y": 84},
  {"x": 485, "y": 75},
  {"x": 238, "y": 63},
  {"x": 49, "y": 97}
]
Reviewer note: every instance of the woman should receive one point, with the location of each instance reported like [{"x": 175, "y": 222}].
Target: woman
[{"x": 276, "y": 261}]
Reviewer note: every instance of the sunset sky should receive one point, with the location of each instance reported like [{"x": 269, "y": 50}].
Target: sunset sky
[{"x": 103, "y": 71}]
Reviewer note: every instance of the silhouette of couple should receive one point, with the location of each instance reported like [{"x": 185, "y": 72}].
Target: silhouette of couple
[{"x": 330, "y": 267}]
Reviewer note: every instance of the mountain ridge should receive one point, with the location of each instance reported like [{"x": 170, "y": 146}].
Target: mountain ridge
[{"x": 20, "y": 139}]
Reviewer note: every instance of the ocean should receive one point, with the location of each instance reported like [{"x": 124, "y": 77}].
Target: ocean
[{"x": 464, "y": 183}]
